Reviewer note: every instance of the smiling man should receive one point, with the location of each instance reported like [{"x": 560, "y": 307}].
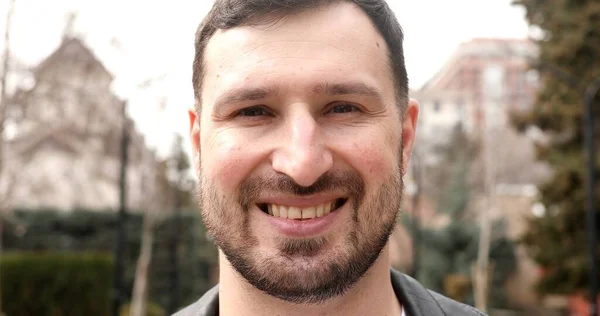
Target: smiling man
[{"x": 301, "y": 134}]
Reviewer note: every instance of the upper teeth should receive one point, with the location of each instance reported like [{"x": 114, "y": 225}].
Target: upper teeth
[{"x": 300, "y": 213}]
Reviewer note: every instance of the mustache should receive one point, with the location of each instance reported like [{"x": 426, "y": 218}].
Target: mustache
[{"x": 333, "y": 181}]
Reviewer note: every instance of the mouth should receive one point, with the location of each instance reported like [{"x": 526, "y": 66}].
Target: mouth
[{"x": 302, "y": 213}]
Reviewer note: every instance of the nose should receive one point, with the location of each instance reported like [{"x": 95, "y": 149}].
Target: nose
[{"x": 303, "y": 154}]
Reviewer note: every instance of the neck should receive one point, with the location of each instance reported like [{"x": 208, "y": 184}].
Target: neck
[{"x": 371, "y": 295}]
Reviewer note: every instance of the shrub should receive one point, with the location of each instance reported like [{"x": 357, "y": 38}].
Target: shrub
[
  {"x": 56, "y": 283},
  {"x": 96, "y": 231},
  {"x": 151, "y": 310}
]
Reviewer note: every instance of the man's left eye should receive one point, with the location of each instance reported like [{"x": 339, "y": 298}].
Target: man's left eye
[{"x": 343, "y": 108}]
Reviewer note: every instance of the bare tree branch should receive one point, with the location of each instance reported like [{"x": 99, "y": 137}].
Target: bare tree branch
[
  {"x": 3, "y": 111},
  {"x": 3, "y": 79}
]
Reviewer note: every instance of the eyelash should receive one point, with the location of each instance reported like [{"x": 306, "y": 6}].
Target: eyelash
[
  {"x": 343, "y": 104},
  {"x": 252, "y": 108},
  {"x": 265, "y": 112}
]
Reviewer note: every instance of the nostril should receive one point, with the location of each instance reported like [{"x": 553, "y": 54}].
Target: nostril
[{"x": 304, "y": 163}]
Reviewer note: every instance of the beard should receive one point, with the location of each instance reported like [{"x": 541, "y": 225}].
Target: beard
[{"x": 311, "y": 270}]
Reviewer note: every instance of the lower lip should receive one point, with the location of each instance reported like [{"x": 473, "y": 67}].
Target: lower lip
[{"x": 303, "y": 228}]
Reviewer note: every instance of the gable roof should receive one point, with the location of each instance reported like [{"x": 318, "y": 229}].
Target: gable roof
[
  {"x": 70, "y": 46},
  {"x": 484, "y": 48},
  {"x": 60, "y": 135}
]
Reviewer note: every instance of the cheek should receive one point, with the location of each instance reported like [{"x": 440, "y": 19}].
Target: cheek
[
  {"x": 226, "y": 161},
  {"x": 372, "y": 156},
  {"x": 373, "y": 161}
]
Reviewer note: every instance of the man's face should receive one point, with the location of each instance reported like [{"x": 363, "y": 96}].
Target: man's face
[{"x": 300, "y": 151}]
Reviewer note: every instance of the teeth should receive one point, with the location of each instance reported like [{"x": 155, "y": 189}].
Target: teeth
[
  {"x": 283, "y": 212},
  {"x": 327, "y": 208},
  {"x": 292, "y": 212},
  {"x": 309, "y": 213},
  {"x": 320, "y": 210}
]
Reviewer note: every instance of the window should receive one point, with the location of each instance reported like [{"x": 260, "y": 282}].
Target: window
[
  {"x": 460, "y": 108},
  {"x": 436, "y": 106},
  {"x": 532, "y": 77}
]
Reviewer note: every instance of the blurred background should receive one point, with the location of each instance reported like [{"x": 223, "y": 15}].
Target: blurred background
[{"x": 97, "y": 209}]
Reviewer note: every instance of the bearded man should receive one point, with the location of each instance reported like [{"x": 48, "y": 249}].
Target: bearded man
[{"x": 301, "y": 133}]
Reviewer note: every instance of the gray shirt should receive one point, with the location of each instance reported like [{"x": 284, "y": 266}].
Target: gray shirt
[{"x": 415, "y": 300}]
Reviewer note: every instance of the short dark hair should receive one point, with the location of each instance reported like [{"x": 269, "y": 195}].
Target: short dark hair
[{"x": 228, "y": 14}]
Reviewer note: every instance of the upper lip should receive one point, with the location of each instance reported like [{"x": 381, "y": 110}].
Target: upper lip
[{"x": 300, "y": 201}]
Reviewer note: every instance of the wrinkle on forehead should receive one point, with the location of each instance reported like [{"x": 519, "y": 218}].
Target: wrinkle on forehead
[{"x": 342, "y": 36}]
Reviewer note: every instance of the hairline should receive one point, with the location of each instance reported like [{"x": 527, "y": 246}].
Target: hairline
[{"x": 271, "y": 18}]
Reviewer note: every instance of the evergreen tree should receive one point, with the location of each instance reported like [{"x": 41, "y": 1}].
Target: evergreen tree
[
  {"x": 447, "y": 254},
  {"x": 569, "y": 59}
]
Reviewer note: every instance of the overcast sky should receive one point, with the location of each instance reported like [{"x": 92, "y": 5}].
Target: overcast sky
[{"x": 138, "y": 40}]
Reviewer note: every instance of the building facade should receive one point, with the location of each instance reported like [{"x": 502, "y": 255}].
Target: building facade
[
  {"x": 480, "y": 86},
  {"x": 477, "y": 91},
  {"x": 64, "y": 137}
]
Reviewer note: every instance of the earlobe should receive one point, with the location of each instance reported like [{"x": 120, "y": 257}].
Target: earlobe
[
  {"x": 409, "y": 132},
  {"x": 195, "y": 138}
]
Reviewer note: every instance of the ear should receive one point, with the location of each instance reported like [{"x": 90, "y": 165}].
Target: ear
[
  {"x": 409, "y": 131},
  {"x": 195, "y": 138}
]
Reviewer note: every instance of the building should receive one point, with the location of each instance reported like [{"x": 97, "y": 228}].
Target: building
[
  {"x": 64, "y": 137},
  {"x": 483, "y": 82}
]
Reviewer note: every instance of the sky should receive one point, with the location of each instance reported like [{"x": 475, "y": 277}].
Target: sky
[{"x": 139, "y": 40}]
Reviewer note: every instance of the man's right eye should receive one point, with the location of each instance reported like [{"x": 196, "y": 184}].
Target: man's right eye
[{"x": 253, "y": 112}]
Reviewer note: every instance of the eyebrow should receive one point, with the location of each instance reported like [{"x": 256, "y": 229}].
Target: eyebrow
[
  {"x": 246, "y": 94},
  {"x": 348, "y": 88},
  {"x": 332, "y": 89}
]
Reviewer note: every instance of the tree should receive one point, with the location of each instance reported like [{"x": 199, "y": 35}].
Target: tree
[
  {"x": 448, "y": 253},
  {"x": 3, "y": 110},
  {"x": 152, "y": 206},
  {"x": 570, "y": 44},
  {"x": 179, "y": 167},
  {"x": 166, "y": 188}
]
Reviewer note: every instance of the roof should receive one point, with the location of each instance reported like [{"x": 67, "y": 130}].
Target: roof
[
  {"x": 483, "y": 48},
  {"x": 70, "y": 45},
  {"x": 61, "y": 135}
]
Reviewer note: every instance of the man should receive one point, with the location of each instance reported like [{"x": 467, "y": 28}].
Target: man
[{"x": 301, "y": 133}]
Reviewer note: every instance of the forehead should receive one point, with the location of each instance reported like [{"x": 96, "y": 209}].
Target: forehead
[{"x": 330, "y": 43}]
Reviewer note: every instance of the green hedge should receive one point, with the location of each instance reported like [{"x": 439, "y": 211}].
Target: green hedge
[
  {"x": 151, "y": 310},
  {"x": 96, "y": 231},
  {"x": 55, "y": 284}
]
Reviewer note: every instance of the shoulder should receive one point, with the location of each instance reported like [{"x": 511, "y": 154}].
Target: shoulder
[
  {"x": 419, "y": 301},
  {"x": 207, "y": 305},
  {"x": 454, "y": 308}
]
